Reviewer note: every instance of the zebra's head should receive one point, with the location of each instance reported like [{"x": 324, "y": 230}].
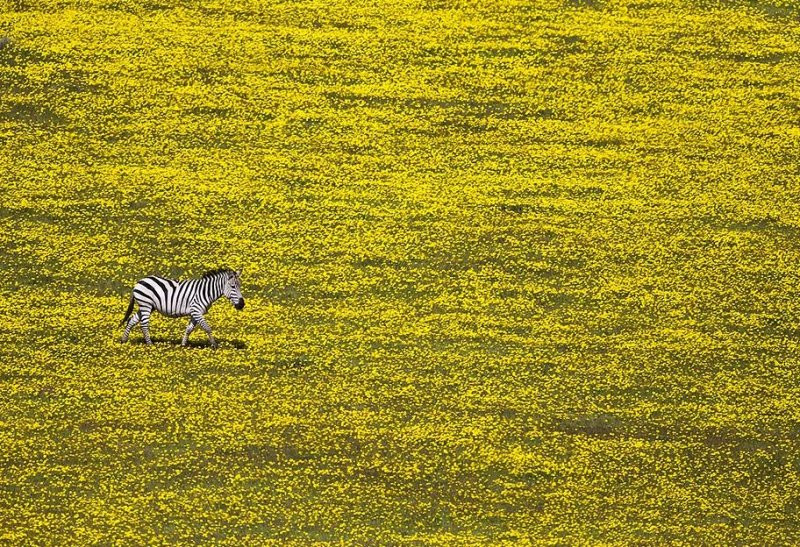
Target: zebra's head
[{"x": 233, "y": 289}]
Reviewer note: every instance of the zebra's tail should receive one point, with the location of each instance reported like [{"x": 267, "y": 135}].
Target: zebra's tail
[{"x": 128, "y": 313}]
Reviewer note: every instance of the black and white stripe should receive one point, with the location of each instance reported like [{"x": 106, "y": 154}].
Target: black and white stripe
[{"x": 175, "y": 298}]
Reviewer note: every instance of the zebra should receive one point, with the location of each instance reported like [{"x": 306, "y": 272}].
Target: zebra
[{"x": 175, "y": 298}]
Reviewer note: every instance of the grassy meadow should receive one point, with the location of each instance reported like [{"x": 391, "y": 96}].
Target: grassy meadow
[{"x": 515, "y": 271}]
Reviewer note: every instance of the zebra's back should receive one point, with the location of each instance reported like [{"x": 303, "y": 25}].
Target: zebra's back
[{"x": 168, "y": 296}]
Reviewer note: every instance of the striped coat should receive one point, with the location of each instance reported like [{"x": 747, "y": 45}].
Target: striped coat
[{"x": 174, "y": 298}]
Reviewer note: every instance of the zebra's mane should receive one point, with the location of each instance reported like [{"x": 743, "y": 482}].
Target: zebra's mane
[{"x": 212, "y": 273}]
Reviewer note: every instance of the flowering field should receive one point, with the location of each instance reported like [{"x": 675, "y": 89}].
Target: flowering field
[{"x": 515, "y": 270}]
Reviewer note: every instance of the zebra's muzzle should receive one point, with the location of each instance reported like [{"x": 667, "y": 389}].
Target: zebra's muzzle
[{"x": 240, "y": 304}]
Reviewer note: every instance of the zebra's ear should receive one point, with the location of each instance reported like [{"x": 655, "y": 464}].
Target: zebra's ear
[{"x": 239, "y": 273}]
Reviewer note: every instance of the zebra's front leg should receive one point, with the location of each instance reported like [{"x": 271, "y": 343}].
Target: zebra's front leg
[
  {"x": 200, "y": 320},
  {"x": 131, "y": 323},
  {"x": 189, "y": 329},
  {"x": 145, "y": 324}
]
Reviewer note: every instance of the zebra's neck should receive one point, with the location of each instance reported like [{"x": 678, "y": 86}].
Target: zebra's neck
[{"x": 213, "y": 289}]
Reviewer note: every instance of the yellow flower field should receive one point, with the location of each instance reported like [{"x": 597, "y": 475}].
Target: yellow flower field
[{"x": 516, "y": 271}]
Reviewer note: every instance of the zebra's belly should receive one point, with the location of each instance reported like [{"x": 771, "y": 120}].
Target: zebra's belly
[
  {"x": 170, "y": 311},
  {"x": 174, "y": 314}
]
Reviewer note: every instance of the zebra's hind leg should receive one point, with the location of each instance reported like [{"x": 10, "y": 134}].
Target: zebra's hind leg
[
  {"x": 145, "y": 324},
  {"x": 131, "y": 323},
  {"x": 189, "y": 329}
]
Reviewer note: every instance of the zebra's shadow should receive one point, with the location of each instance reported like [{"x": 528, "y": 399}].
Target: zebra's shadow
[{"x": 192, "y": 344}]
